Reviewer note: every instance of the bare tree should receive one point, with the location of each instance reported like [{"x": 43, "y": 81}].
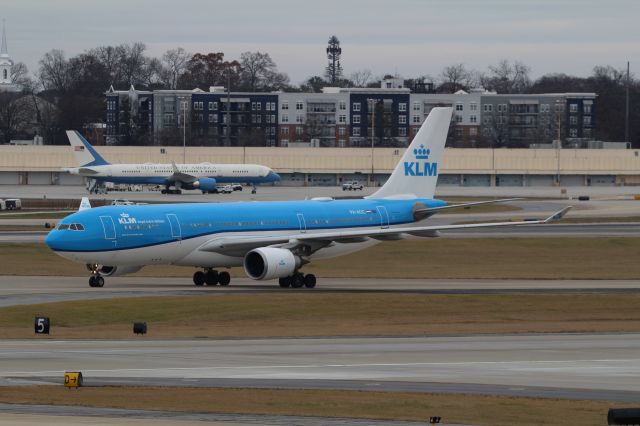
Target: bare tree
[
  {"x": 361, "y": 78},
  {"x": 507, "y": 77},
  {"x": 174, "y": 64},
  {"x": 456, "y": 77},
  {"x": 16, "y": 115},
  {"x": 259, "y": 72},
  {"x": 54, "y": 71}
]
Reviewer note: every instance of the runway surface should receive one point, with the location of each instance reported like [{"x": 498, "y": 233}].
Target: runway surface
[
  {"x": 584, "y": 366},
  {"x": 20, "y": 290}
]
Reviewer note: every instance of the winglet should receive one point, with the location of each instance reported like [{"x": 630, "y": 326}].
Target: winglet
[
  {"x": 175, "y": 167},
  {"x": 558, "y": 215},
  {"x": 84, "y": 204}
]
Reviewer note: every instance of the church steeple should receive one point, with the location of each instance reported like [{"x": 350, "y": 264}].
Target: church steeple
[
  {"x": 3, "y": 49},
  {"x": 5, "y": 62}
]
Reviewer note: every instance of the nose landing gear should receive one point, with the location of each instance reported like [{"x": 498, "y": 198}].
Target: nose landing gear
[{"x": 95, "y": 280}]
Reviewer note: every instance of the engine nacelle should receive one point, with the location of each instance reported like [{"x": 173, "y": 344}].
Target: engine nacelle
[
  {"x": 205, "y": 184},
  {"x": 116, "y": 271},
  {"x": 266, "y": 263}
]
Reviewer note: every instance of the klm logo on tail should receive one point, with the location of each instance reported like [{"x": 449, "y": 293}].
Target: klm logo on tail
[{"x": 420, "y": 168}]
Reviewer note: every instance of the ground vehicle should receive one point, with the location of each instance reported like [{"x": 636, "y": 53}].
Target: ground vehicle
[
  {"x": 236, "y": 186},
  {"x": 224, "y": 189},
  {"x": 352, "y": 186},
  {"x": 13, "y": 203},
  {"x": 122, "y": 202}
]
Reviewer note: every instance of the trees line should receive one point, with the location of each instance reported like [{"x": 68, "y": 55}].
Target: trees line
[{"x": 70, "y": 91}]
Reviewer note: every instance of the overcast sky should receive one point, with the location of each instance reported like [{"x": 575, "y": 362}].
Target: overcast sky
[{"x": 410, "y": 37}]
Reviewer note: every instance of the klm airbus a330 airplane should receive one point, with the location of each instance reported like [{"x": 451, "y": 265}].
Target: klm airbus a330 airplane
[
  {"x": 202, "y": 176},
  {"x": 270, "y": 239}
]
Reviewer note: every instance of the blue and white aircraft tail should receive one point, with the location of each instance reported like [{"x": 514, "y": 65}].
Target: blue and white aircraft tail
[
  {"x": 416, "y": 174},
  {"x": 268, "y": 239},
  {"x": 83, "y": 151}
]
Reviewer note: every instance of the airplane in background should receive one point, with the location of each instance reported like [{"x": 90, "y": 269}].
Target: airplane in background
[
  {"x": 271, "y": 240},
  {"x": 174, "y": 177}
]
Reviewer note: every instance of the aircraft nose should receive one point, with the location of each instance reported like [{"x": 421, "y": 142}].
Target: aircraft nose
[
  {"x": 273, "y": 176},
  {"x": 52, "y": 239}
]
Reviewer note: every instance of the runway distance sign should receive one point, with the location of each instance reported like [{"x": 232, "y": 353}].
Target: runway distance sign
[
  {"x": 72, "y": 379},
  {"x": 41, "y": 325}
]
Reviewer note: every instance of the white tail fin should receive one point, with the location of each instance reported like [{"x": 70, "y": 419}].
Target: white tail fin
[
  {"x": 84, "y": 204},
  {"x": 85, "y": 154},
  {"x": 416, "y": 175}
]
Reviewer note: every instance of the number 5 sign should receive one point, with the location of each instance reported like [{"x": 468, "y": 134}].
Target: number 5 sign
[{"x": 42, "y": 325}]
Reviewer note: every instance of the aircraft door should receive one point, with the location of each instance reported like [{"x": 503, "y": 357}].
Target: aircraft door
[
  {"x": 302, "y": 223},
  {"x": 384, "y": 217},
  {"x": 176, "y": 232},
  {"x": 109, "y": 227}
]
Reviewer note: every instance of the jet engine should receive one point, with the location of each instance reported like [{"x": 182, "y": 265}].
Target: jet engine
[
  {"x": 266, "y": 263},
  {"x": 205, "y": 184},
  {"x": 115, "y": 271}
]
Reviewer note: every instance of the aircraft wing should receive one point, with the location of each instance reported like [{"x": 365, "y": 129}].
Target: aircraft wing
[
  {"x": 316, "y": 240},
  {"x": 178, "y": 176},
  {"x": 421, "y": 213}
]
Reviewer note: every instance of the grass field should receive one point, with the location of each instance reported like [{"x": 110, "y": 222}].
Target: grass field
[
  {"x": 291, "y": 314},
  {"x": 466, "y": 409},
  {"x": 496, "y": 258}
]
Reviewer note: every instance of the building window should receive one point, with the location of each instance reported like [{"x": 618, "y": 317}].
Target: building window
[
  {"x": 459, "y": 107},
  {"x": 285, "y": 118},
  {"x": 212, "y": 117},
  {"x": 415, "y": 119},
  {"x": 299, "y": 106},
  {"x": 459, "y": 131},
  {"x": 356, "y": 131},
  {"x": 285, "y": 104},
  {"x": 402, "y": 106},
  {"x": 573, "y": 107},
  {"x": 284, "y": 131},
  {"x": 473, "y": 106},
  {"x": 342, "y": 131},
  {"x": 473, "y": 131},
  {"x": 586, "y": 120},
  {"x": 586, "y": 109},
  {"x": 573, "y": 120},
  {"x": 356, "y": 119},
  {"x": 488, "y": 108},
  {"x": 342, "y": 118},
  {"x": 402, "y": 131},
  {"x": 502, "y": 107},
  {"x": 342, "y": 105},
  {"x": 402, "y": 119},
  {"x": 573, "y": 133},
  {"x": 299, "y": 131},
  {"x": 586, "y": 133},
  {"x": 559, "y": 107},
  {"x": 416, "y": 106},
  {"x": 544, "y": 108},
  {"x": 299, "y": 118},
  {"x": 458, "y": 118},
  {"x": 473, "y": 119},
  {"x": 253, "y": 106},
  {"x": 342, "y": 143},
  {"x": 258, "y": 106},
  {"x": 210, "y": 106},
  {"x": 356, "y": 107},
  {"x": 267, "y": 106}
]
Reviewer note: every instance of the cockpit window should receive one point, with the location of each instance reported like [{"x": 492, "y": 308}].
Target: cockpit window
[{"x": 72, "y": 227}]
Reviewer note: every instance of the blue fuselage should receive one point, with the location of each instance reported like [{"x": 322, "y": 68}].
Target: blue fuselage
[{"x": 117, "y": 228}]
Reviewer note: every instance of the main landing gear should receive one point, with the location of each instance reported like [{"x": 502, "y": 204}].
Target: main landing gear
[
  {"x": 211, "y": 277},
  {"x": 171, "y": 191},
  {"x": 298, "y": 280}
]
